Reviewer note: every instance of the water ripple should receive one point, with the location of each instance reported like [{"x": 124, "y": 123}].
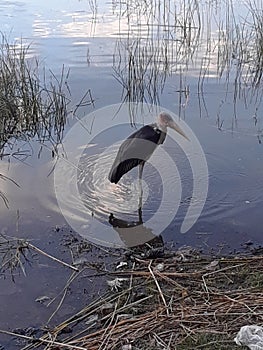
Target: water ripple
[{"x": 102, "y": 197}]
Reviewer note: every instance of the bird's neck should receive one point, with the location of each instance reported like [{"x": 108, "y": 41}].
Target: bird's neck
[{"x": 161, "y": 127}]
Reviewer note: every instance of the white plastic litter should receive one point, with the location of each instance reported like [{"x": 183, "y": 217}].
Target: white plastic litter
[
  {"x": 251, "y": 336},
  {"x": 116, "y": 284}
]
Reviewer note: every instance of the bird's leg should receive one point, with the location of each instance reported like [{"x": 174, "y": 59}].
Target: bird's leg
[
  {"x": 140, "y": 215},
  {"x": 141, "y": 165}
]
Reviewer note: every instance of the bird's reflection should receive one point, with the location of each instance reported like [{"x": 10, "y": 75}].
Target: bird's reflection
[{"x": 134, "y": 233}]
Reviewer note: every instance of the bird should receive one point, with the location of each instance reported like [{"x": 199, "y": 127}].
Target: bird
[{"x": 140, "y": 145}]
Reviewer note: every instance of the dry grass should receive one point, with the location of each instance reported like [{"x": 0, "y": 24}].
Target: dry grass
[
  {"x": 31, "y": 105},
  {"x": 165, "y": 40},
  {"x": 16, "y": 253},
  {"x": 209, "y": 38},
  {"x": 32, "y": 102},
  {"x": 168, "y": 303}
]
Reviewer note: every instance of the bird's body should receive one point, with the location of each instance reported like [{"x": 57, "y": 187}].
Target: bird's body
[
  {"x": 140, "y": 145},
  {"x": 135, "y": 150}
]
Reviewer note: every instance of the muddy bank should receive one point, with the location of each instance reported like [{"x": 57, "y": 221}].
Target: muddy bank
[{"x": 150, "y": 297}]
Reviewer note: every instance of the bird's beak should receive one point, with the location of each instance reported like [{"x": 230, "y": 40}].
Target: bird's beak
[{"x": 177, "y": 128}]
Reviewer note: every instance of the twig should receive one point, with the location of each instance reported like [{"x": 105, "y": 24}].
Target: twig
[
  {"x": 75, "y": 347},
  {"x": 158, "y": 287},
  {"x": 147, "y": 274},
  {"x": 51, "y": 257}
]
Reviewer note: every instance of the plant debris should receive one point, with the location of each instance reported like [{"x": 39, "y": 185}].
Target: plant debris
[{"x": 198, "y": 302}]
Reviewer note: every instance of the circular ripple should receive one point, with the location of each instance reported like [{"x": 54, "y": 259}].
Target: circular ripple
[{"x": 103, "y": 197}]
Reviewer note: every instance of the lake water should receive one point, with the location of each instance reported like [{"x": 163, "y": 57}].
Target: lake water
[{"x": 132, "y": 52}]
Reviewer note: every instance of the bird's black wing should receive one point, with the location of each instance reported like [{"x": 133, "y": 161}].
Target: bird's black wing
[{"x": 136, "y": 149}]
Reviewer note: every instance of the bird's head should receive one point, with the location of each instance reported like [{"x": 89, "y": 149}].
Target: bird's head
[{"x": 164, "y": 120}]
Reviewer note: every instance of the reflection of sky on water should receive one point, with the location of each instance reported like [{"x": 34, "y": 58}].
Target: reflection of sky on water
[
  {"x": 58, "y": 18},
  {"x": 78, "y": 33},
  {"x": 102, "y": 18}
]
